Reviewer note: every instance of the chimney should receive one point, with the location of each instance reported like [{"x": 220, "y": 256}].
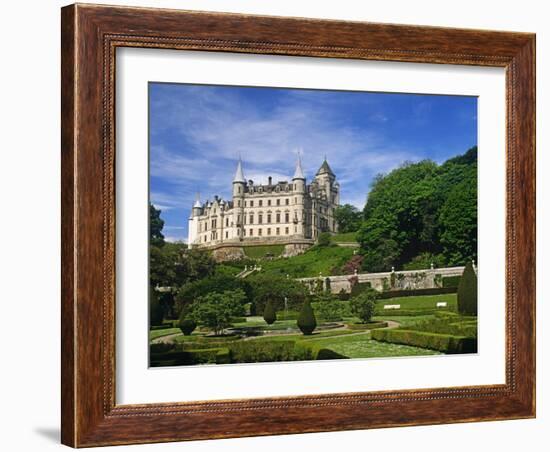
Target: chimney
[{"x": 269, "y": 180}]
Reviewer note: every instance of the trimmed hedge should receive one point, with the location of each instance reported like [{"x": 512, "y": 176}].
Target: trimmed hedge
[
  {"x": 268, "y": 351},
  {"x": 451, "y": 281},
  {"x": 190, "y": 357},
  {"x": 415, "y": 292},
  {"x": 404, "y": 312},
  {"x": 367, "y": 326},
  {"x": 446, "y": 343}
]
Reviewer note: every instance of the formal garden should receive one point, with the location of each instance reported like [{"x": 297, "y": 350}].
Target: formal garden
[{"x": 418, "y": 216}]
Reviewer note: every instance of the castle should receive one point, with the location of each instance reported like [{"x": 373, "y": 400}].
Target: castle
[{"x": 292, "y": 213}]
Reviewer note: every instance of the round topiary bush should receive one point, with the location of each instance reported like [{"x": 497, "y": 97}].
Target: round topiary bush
[
  {"x": 467, "y": 291},
  {"x": 187, "y": 326},
  {"x": 269, "y": 313},
  {"x": 306, "y": 320}
]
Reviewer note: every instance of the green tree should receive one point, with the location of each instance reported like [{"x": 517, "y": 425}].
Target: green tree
[
  {"x": 276, "y": 288},
  {"x": 306, "y": 320},
  {"x": 270, "y": 316},
  {"x": 156, "y": 238},
  {"x": 190, "y": 291},
  {"x": 348, "y": 218},
  {"x": 215, "y": 310},
  {"x": 418, "y": 209},
  {"x": 363, "y": 305},
  {"x": 187, "y": 326},
  {"x": 467, "y": 291},
  {"x": 156, "y": 312}
]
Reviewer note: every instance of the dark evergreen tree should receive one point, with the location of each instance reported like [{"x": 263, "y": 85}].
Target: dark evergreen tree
[
  {"x": 306, "y": 320},
  {"x": 269, "y": 313},
  {"x": 156, "y": 312},
  {"x": 467, "y": 291},
  {"x": 187, "y": 326},
  {"x": 155, "y": 226}
]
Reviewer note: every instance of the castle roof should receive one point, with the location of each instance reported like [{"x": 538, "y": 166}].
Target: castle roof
[
  {"x": 239, "y": 176},
  {"x": 298, "y": 173},
  {"x": 325, "y": 169}
]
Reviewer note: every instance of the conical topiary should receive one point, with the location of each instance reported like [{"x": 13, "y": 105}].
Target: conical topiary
[
  {"x": 306, "y": 320},
  {"x": 156, "y": 313},
  {"x": 269, "y": 313},
  {"x": 467, "y": 291},
  {"x": 187, "y": 326}
]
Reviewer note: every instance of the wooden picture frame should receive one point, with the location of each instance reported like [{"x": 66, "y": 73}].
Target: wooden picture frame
[{"x": 90, "y": 36}]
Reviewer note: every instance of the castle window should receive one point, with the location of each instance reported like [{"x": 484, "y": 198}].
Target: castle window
[
  {"x": 268, "y": 231},
  {"x": 269, "y": 202},
  {"x": 214, "y": 224},
  {"x": 251, "y": 218},
  {"x": 251, "y": 203},
  {"x": 286, "y": 231},
  {"x": 278, "y": 202},
  {"x": 287, "y": 217},
  {"x": 251, "y": 232},
  {"x": 239, "y": 188},
  {"x": 226, "y": 234},
  {"x": 260, "y": 231},
  {"x": 226, "y": 222},
  {"x": 239, "y": 203},
  {"x": 287, "y": 201},
  {"x": 260, "y": 202},
  {"x": 278, "y": 231},
  {"x": 295, "y": 200},
  {"x": 260, "y": 217},
  {"x": 278, "y": 217},
  {"x": 269, "y": 218}
]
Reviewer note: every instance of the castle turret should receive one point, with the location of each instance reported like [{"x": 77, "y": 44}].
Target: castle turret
[
  {"x": 239, "y": 187},
  {"x": 299, "y": 182},
  {"x": 193, "y": 230}
]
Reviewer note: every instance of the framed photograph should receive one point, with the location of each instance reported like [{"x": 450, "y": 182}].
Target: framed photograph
[{"x": 282, "y": 225}]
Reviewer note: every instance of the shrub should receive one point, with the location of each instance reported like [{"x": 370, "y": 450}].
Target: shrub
[
  {"x": 216, "y": 310},
  {"x": 367, "y": 326},
  {"x": 306, "y": 320},
  {"x": 324, "y": 239},
  {"x": 330, "y": 311},
  {"x": 269, "y": 313},
  {"x": 343, "y": 295},
  {"x": 446, "y": 343},
  {"x": 268, "y": 351},
  {"x": 156, "y": 312},
  {"x": 451, "y": 281},
  {"x": 467, "y": 291},
  {"x": 363, "y": 305},
  {"x": 415, "y": 292},
  {"x": 187, "y": 326}
]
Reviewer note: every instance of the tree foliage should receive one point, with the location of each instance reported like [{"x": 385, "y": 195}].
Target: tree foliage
[
  {"x": 467, "y": 291},
  {"x": 348, "y": 218},
  {"x": 156, "y": 238},
  {"x": 270, "y": 316},
  {"x": 215, "y": 310},
  {"x": 189, "y": 292},
  {"x": 156, "y": 312},
  {"x": 187, "y": 325},
  {"x": 421, "y": 208},
  {"x": 306, "y": 320},
  {"x": 324, "y": 239},
  {"x": 274, "y": 288},
  {"x": 363, "y": 305}
]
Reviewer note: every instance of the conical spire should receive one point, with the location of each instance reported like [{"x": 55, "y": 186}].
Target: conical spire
[
  {"x": 197, "y": 201},
  {"x": 325, "y": 169},
  {"x": 298, "y": 172},
  {"x": 239, "y": 176}
]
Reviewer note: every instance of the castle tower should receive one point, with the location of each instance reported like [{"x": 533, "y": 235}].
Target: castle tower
[
  {"x": 326, "y": 179},
  {"x": 193, "y": 230},
  {"x": 299, "y": 188},
  {"x": 239, "y": 187}
]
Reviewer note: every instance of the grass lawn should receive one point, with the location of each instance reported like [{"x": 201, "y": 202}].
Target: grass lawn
[
  {"x": 345, "y": 237},
  {"x": 421, "y": 302},
  {"x": 314, "y": 261},
  {"x": 361, "y": 346},
  {"x": 258, "y": 252},
  {"x": 159, "y": 333}
]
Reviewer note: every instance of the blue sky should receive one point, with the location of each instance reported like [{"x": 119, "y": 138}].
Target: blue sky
[{"x": 197, "y": 132}]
